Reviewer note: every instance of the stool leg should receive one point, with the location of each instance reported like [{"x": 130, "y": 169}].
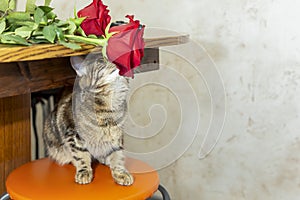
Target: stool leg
[
  {"x": 5, "y": 196},
  {"x": 164, "y": 193}
]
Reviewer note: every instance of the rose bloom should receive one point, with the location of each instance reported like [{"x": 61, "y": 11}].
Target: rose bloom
[
  {"x": 126, "y": 48},
  {"x": 97, "y": 18}
]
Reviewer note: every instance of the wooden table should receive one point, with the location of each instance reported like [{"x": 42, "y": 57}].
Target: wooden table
[{"x": 24, "y": 70}]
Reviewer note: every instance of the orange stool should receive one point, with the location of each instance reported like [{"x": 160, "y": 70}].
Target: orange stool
[{"x": 45, "y": 180}]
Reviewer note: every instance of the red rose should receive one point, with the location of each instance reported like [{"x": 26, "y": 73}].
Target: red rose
[
  {"x": 126, "y": 48},
  {"x": 97, "y": 18}
]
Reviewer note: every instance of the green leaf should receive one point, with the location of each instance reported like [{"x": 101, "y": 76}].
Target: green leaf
[
  {"x": 42, "y": 14},
  {"x": 14, "y": 39},
  {"x": 3, "y": 5},
  {"x": 18, "y": 16},
  {"x": 31, "y": 24},
  {"x": 59, "y": 34},
  {"x": 77, "y": 21},
  {"x": 41, "y": 37},
  {"x": 2, "y": 26},
  {"x": 50, "y": 33},
  {"x": 7, "y": 5},
  {"x": 37, "y": 32},
  {"x": 38, "y": 40},
  {"x": 51, "y": 15},
  {"x": 47, "y": 2},
  {"x": 62, "y": 23},
  {"x": 12, "y": 4},
  {"x": 38, "y": 15},
  {"x": 30, "y": 6},
  {"x": 72, "y": 27},
  {"x": 72, "y": 46},
  {"x": 24, "y": 31},
  {"x": 81, "y": 31},
  {"x": 46, "y": 9},
  {"x": 3, "y": 41}
]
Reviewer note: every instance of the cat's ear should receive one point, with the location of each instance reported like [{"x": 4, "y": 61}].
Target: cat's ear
[{"x": 78, "y": 65}]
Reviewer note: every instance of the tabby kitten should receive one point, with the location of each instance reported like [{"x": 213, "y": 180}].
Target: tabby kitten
[{"x": 87, "y": 124}]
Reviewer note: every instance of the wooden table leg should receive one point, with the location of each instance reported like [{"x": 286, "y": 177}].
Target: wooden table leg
[{"x": 14, "y": 134}]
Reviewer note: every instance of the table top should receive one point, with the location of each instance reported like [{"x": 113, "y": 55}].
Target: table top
[{"x": 17, "y": 53}]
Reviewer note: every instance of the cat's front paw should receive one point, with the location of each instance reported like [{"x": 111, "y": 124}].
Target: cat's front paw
[
  {"x": 84, "y": 176},
  {"x": 122, "y": 177}
]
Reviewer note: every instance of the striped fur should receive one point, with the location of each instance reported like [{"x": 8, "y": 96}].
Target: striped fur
[{"x": 87, "y": 124}]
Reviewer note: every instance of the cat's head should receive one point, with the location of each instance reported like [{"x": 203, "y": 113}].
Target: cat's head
[{"x": 93, "y": 72}]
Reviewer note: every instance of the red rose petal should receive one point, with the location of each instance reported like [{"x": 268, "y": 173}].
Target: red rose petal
[
  {"x": 126, "y": 48},
  {"x": 97, "y": 18}
]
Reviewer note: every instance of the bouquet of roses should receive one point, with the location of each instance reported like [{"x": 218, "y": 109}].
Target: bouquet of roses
[{"x": 122, "y": 44}]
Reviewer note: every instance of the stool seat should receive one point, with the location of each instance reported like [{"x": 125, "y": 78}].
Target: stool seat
[{"x": 45, "y": 180}]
